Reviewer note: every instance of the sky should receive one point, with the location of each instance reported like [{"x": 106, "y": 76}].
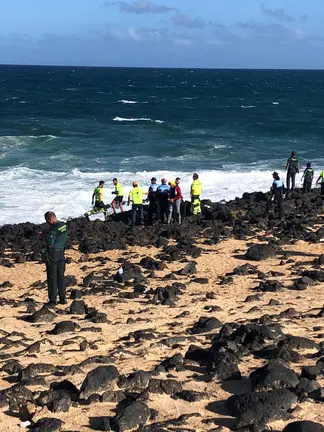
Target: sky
[{"x": 163, "y": 33}]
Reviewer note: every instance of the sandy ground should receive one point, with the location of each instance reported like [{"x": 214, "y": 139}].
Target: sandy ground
[{"x": 215, "y": 262}]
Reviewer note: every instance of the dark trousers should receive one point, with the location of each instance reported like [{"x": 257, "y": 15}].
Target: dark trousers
[
  {"x": 163, "y": 207},
  {"x": 55, "y": 268},
  {"x": 137, "y": 208},
  {"x": 291, "y": 176},
  {"x": 280, "y": 202},
  {"x": 307, "y": 186},
  {"x": 152, "y": 209}
]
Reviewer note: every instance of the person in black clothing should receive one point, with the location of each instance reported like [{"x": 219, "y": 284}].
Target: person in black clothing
[
  {"x": 308, "y": 178},
  {"x": 292, "y": 168},
  {"x": 162, "y": 193},
  {"x": 152, "y": 199},
  {"x": 54, "y": 258},
  {"x": 278, "y": 191}
]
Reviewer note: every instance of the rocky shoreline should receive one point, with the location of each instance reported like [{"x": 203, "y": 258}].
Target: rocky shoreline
[{"x": 214, "y": 325}]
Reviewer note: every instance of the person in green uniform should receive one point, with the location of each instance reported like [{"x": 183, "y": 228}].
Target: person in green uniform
[
  {"x": 308, "y": 178},
  {"x": 136, "y": 196},
  {"x": 118, "y": 200},
  {"x": 97, "y": 202},
  {"x": 54, "y": 258},
  {"x": 321, "y": 180},
  {"x": 195, "y": 193},
  {"x": 292, "y": 168}
]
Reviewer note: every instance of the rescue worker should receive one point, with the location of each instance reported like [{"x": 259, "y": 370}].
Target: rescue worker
[
  {"x": 278, "y": 191},
  {"x": 152, "y": 199},
  {"x": 162, "y": 194},
  {"x": 292, "y": 168},
  {"x": 136, "y": 196},
  {"x": 175, "y": 198},
  {"x": 97, "y": 201},
  {"x": 195, "y": 193},
  {"x": 54, "y": 258},
  {"x": 308, "y": 178},
  {"x": 118, "y": 200},
  {"x": 321, "y": 180}
]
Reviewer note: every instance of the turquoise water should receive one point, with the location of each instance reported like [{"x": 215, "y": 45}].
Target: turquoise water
[{"x": 63, "y": 129}]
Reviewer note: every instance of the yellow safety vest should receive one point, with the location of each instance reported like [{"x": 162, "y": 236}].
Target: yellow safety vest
[
  {"x": 196, "y": 187},
  {"x": 322, "y": 175},
  {"x": 119, "y": 189},
  {"x": 136, "y": 195},
  {"x": 98, "y": 193}
]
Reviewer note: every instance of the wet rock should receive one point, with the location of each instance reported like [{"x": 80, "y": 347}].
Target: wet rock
[
  {"x": 64, "y": 327},
  {"x": 100, "y": 379},
  {"x": 260, "y": 252},
  {"x": 78, "y": 307},
  {"x": 131, "y": 417},
  {"x": 47, "y": 425},
  {"x": 136, "y": 381},
  {"x": 304, "y": 426},
  {"x": 168, "y": 386},
  {"x": 259, "y": 408},
  {"x": 206, "y": 325},
  {"x": 274, "y": 375}
]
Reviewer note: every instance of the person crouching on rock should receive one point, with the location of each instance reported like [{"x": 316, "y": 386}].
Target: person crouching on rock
[
  {"x": 136, "y": 196},
  {"x": 175, "y": 198},
  {"x": 97, "y": 201},
  {"x": 278, "y": 191},
  {"x": 54, "y": 258},
  {"x": 118, "y": 200},
  {"x": 308, "y": 178}
]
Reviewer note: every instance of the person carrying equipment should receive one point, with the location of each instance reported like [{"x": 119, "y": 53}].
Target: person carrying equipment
[
  {"x": 54, "y": 258},
  {"x": 136, "y": 196},
  {"x": 278, "y": 191},
  {"x": 321, "y": 180},
  {"x": 292, "y": 168},
  {"x": 162, "y": 193},
  {"x": 118, "y": 200},
  {"x": 152, "y": 198},
  {"x": 97, "y": 201},
  {"x": 308, "y": 178},
  {"x": 195, "y": 193},
  {"x": 175, "y": 198}
]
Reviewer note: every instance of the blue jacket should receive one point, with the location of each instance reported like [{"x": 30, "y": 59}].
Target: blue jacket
[{"x": 163, "y": 189}]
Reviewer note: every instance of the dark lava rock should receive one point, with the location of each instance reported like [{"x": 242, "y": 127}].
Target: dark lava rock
[
  {"x": 131, "y": 417},
  {"x": 64, "y": 327},
  {"x": 260, "y": 252},
  {"x": 151, "y": 264},
  {"x": 97, "y": 317},
  {"x": 168, "y": 386},
  {"x": 18, "y": 395},
  {"x": 42, "y": 315},
  {"x": 100, "y": 423},
  {"x": 274, "y": 375},
  {"x": 298, "y": 342},
  {"x": 224, "y": 366},
  {"x": 78, "y": 307},
  {"x": 270, "y": 286},
  {"x": 253, "y": 298},
  {"x": 202, "y": 281},
  {"x": 112, "y": 396},
  {"x": 35, "y": 369},
  {"x": 174, "y": 362},
  {"x": 189, "y": 269},
  {"x": 313, "y": 372},
  {"x": 307, "y": 386},
  {"x": 303, "y": 283},
  {"x": 206, "y": 325},
  {"x": 192, "y": 396},
  {"x": 259, "y": 408},
  {"x": 304, "y": 426},
  {"x": 166, "y": 296},
  {"x": 136, "y": 381},
  {"x": 61, "y": 402},
  {"x": 316, "y": 275},
  {"x": 100, "y": 379},
  {"x": 12, "y": 367},
  {"x": 47, "y": 425},
  {"x": 76, "y": 294}
]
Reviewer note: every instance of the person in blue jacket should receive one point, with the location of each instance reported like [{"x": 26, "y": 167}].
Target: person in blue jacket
[{"x": 162, "y": 194}]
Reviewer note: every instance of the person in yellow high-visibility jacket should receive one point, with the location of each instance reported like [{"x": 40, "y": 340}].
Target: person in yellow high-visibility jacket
[
  {"x": 195, "y": 193},
  {"x": 136, "y": 196}
]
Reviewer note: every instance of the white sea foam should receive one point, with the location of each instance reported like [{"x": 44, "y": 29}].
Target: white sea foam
[
  {"x": 124, "y": 101},
  {"x": 247, "y": 106},
  {"x": 69, "y": 193},
  {"x": 122, "y": 119},
  {"x": 275, "y": 103}
]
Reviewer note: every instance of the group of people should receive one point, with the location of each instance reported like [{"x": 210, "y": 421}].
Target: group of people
[{"x": 164, "y": 200}]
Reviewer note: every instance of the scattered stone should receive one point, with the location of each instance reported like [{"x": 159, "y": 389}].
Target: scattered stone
[
  {"x": 304, "y": 426},
  {"x": 131, "y": 417},
  {"x": 260, "y": 252},
  {"x": 100, "y": 379},
  {"x": 205, "y": 325},
  {"x": 64, "y": 327}
]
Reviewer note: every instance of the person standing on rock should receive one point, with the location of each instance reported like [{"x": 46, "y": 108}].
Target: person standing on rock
[
  {"x": 136, "y": 196},
  {"x": 175, "y": 198},
  {"x": 152, "y": 199},
  {"x": 56, "y": 240},
  {"x": 118, "y": 200},
  {"x": 162, "y": 193},
  {"x": 321, "y": 180},
  {"x": 292, "y": 168},
  {"x": 308, "y": 178},
  {"x": 278, "y": 190},
  {"x": 195, "y": 193},
  {"x": 97, "y": 201}
]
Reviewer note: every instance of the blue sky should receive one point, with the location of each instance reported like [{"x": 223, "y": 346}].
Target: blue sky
[{"x": 178, "y": 33}]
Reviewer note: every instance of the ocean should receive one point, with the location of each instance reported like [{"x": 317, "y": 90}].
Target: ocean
[{"x": 62, "y": 129}]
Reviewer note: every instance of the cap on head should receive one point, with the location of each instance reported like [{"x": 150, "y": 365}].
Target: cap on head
[
  {"x": 293, "y": 153},
  {"x": 163, "y": 181},
  {"x": 195, "y": 176},
  {"x": 309, "y": 164},
  {"x": 275, "y": 174},
  {"x": 135, "y": 183},
  {"x": 153, "y": 179}
]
